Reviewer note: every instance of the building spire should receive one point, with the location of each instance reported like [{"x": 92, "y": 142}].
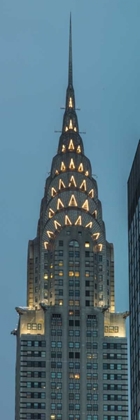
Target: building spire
[
  {"x": 70, "y": 100},
  {"x": 70, "y": 122},
  {"x": 70, "y": 75}
]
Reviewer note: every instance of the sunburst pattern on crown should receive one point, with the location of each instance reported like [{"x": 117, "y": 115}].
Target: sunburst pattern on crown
[{"x": 71, "y": 196}]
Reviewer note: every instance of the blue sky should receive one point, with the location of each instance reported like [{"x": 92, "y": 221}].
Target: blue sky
[{"x": 33, "y": 80}]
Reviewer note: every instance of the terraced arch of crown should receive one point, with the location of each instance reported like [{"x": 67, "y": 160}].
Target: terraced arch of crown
[
  {"x": 70, "y": 147},
  {"x": 70, "y": 121},
  {"x": 70, "y": 161},
  {"x": 69, "y": 140},
  {"x": 73, "y": 217},
  {"x": 72, "y": 180},
  {"x": 67, "y": 199}
]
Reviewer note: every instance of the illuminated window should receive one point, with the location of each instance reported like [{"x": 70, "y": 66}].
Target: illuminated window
[
  {"x": 45, "y": 276},
  {"x": 60, "y": 263},
  {"x": 57, "y": 224},
  {"x": 89, "y": 225},
  {"x": 85, "y": 205},
  {"x": 60, "y": 273},
  {"x": 77, "y": 273},
  {"x": 51, "y": 213},
  {"x": 61, "y": 184},
  {"x": 87, "y": 273},
  {"x": 71, "y": 165},
  {"x": 80, "y": 168},
  {"x": 75, "y": 129},
  {"x": 67, "y": 220},
  {"x": 72, "y": 182},
  {"x": 91, "y": 193},
  {"x": 83, "y": 185},
  {"x": 71, "y": 145},
  {"x": 78, "y": 221},
  {"x": 71, "y": 312},
  {"x": 60, "y": 204},
  {"x": 63, "y": 148},
  {"x": 71, "y": 302},
  {"x": 63, "y": 167},
  {"x": 95, "y": 236},
  {"x": 95, "y": 214},
  {"x": 70, "y": 103},
  {"x": 100, "y": 247},
  {"x": 87, "y": 244},
  {"x": 66, "y": 128},
  {"x": 56, "y": 172},
  {"x": 78, "y": 150},
  {"x": 70, "y": 125},
  {"x": 46, "y": 245},
  {"x": 71, "y": 273},
  {"x": 86, "y": 173},
  {"x": 53, "y": 192},
  {"x": 50, "y": 234},
  {"x": 72, "y": 201}
]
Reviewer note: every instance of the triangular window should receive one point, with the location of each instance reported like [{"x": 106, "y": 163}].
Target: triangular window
[
  {"x": 71, "y": 125},
  {"x": 80, "y": 168},
  {"x": 56, "y": 224},
  {"x": 61, "y": 184},
  {"x": 85, "y": 205},
  {"x": 71, "y": 145},
  {"x": 50, "y": 234},
  {"x": 46, "y": 245},
  {"x": 95, "y": 214},
  {"x": 71, "y": 165},
  {"x": 72, "y": 201},
  {"x": 67, "y": 220},
  {"x": 95, "y": 236},
  {"x": 63, "y": 167},
  {"x": 51, "y": 213},
  {"x": 63, "y": 148},
  {"x": 60, "y": 204},
  {"x": 72, "y": 182},
  {"x": 91, "y": 193},
  {"x": 89, "y": 225},
  {"x": 53, "y": 192},
  {"x": 83, "y": 185},
  {"x": 78, "y": 221},
  {"x": 78, "y": 150}
]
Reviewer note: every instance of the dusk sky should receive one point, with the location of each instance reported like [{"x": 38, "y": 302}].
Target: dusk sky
[{"x": 33, "y": 81}]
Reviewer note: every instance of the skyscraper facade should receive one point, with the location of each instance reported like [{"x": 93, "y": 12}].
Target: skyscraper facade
[
  {"x": 71, "y": 345},
  {"x": 134, "y": 282}
]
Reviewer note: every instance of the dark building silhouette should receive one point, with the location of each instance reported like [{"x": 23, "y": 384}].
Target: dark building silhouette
[{"x": 134, "y": 281}]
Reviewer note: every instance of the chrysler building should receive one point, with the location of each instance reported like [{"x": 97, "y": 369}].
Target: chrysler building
[{"x": 71, "y": 361}]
